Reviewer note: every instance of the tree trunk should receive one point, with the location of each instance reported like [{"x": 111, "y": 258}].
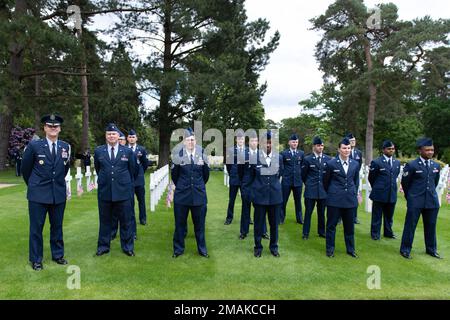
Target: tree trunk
[
  {"x": 372, "y": 105},
  {"x": 16, "y": 51},
  {"x": 163, "y": 115},
  {"x": 85, "y": 125},
  {"x": 6, "y": 123},
  {"x": 85, "y": 97},
  {"x": 37, "y": 115}
]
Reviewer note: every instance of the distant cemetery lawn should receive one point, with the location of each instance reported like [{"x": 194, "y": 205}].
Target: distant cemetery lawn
[{"x": 302, "y": 272}]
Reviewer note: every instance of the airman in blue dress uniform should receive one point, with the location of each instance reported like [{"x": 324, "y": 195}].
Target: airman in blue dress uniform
[
  {"x": 251, "y": 158},
  {"x": 267, "y": 195},
  {"x": 115, "y": 219},
  {"x": 340, "y": 181},
  {"x": 235, "y": 159},
  {"x": 313, "y": 169},
  {"x": 116, "y": 169},
  {"x": 44, "y": 166},
  {"x": 292, "y": 178},
  {"x": 419, "y": 181},
  {"x": 356, "y": 155},
  {"x": 139, "y": 183},
  {"x": 190, "y": 173},
  {"x": 383, "y": 180}
]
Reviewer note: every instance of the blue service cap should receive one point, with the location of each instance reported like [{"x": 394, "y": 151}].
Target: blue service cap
[
  {"x": 188, "y": 132},
  {"x": 52, "y": 119},
  {"x": 317, "y": 140},
  {"x": 293, "y": 137},
  {"x": 424, "y": 142},
  {"x": 345, "y": 141},
  {"x": 349, "y": 136},
  {"x": 131, "y": 132},
  {"x": 387, "y": 144},
  {"x": 121, "y": 135},
  {"x": 112, "y": 127},
  {"x": 240, "y": 133}
]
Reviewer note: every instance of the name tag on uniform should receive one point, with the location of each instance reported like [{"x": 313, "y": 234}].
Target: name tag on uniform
[
  {"x": 337, "y": 170},
  {"x": 435, "y": 170},
  {"x": 419, "y": 171},
  {"x": 382, "y": 169},
  {"x": 312, "y": 165},
  {"x": 123, "y": 158},
  {"x": 259, "y": 166},
  {"x": 288, "y": 159},
  {"x": 41, "y": 155}
]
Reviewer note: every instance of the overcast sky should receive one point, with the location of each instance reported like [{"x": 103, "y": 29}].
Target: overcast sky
[{"x": 293, "y": 72}]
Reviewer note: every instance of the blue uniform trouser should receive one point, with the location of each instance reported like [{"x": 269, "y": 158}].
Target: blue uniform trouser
[
  {"x": 347, "y": 215},
  {"x": 18, "y": 168},
  {"x": 382, "y": 211},
  {"x": 297, "y": 191},
  {"x": 245, "y": 215},
  {"x": 115, "y": 222},
  {"x": 429, "y": 217},
  {"x": 273, "y": 214},
  {"x": 122, "y": 210},
  {"x": 309, "y": 207},
  {"x": 198, "y": 214},
  {"x": 232, "y": 198},
  {"x": 38, "y": 212},
  {"x": 140, "y": 194}
]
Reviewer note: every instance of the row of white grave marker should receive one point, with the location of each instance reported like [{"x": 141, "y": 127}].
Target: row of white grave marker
[
  {"x": 159, "y": 180},
  {"x": 444, "y": 183}
]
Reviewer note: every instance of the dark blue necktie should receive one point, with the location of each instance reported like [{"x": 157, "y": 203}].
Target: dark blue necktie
[
  {"x": 112, "y": 154},
  {"x": 54, "y": 151},
  {"x": 192, "y": 159}
]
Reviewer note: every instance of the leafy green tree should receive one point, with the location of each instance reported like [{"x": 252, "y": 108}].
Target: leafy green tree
[{"x": 373, "y": 59}]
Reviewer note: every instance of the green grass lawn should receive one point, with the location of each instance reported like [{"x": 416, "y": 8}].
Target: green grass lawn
[{"x": 302, "y": 272}]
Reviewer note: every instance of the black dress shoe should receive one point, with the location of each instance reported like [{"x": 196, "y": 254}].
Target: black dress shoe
[
  {"x": 113, "y": 237},
  {"x": 100, "y": 253},
  {"x": 129, "y": 253},
  {"x": 144, "y": 223},
  {"x": 257, "y": 253},
  {"x": 275, "y": 253},
  {"x": 60, "y": 261},
  {"x": 305, "y": 237},
  {"x": 251, "y": 222},
  {"x": 37, "y": 266},
  {"x": 375, "y": 238},
  {"x": 356, "y": 221},
  {"x": 281, "y": 222},
  {"x": 322, "y": 236},
  {"x": 204, "y": 254},
  {"x": 353, "y": 254},
  {"x": 300, "y": 221},
  {"x": 330, "y": 254},
  {"x": 391, "y": 237},
  {"x": 434, "y": 255},
  {"x": 177, "y": 254},
  {"x": 135, "y": 237},
  {"x": 227, "y": 222},
  {"x": 266, "y": 236},
  {"x": 405, "y": 255},
  {"x": 242, "y": 236}
]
